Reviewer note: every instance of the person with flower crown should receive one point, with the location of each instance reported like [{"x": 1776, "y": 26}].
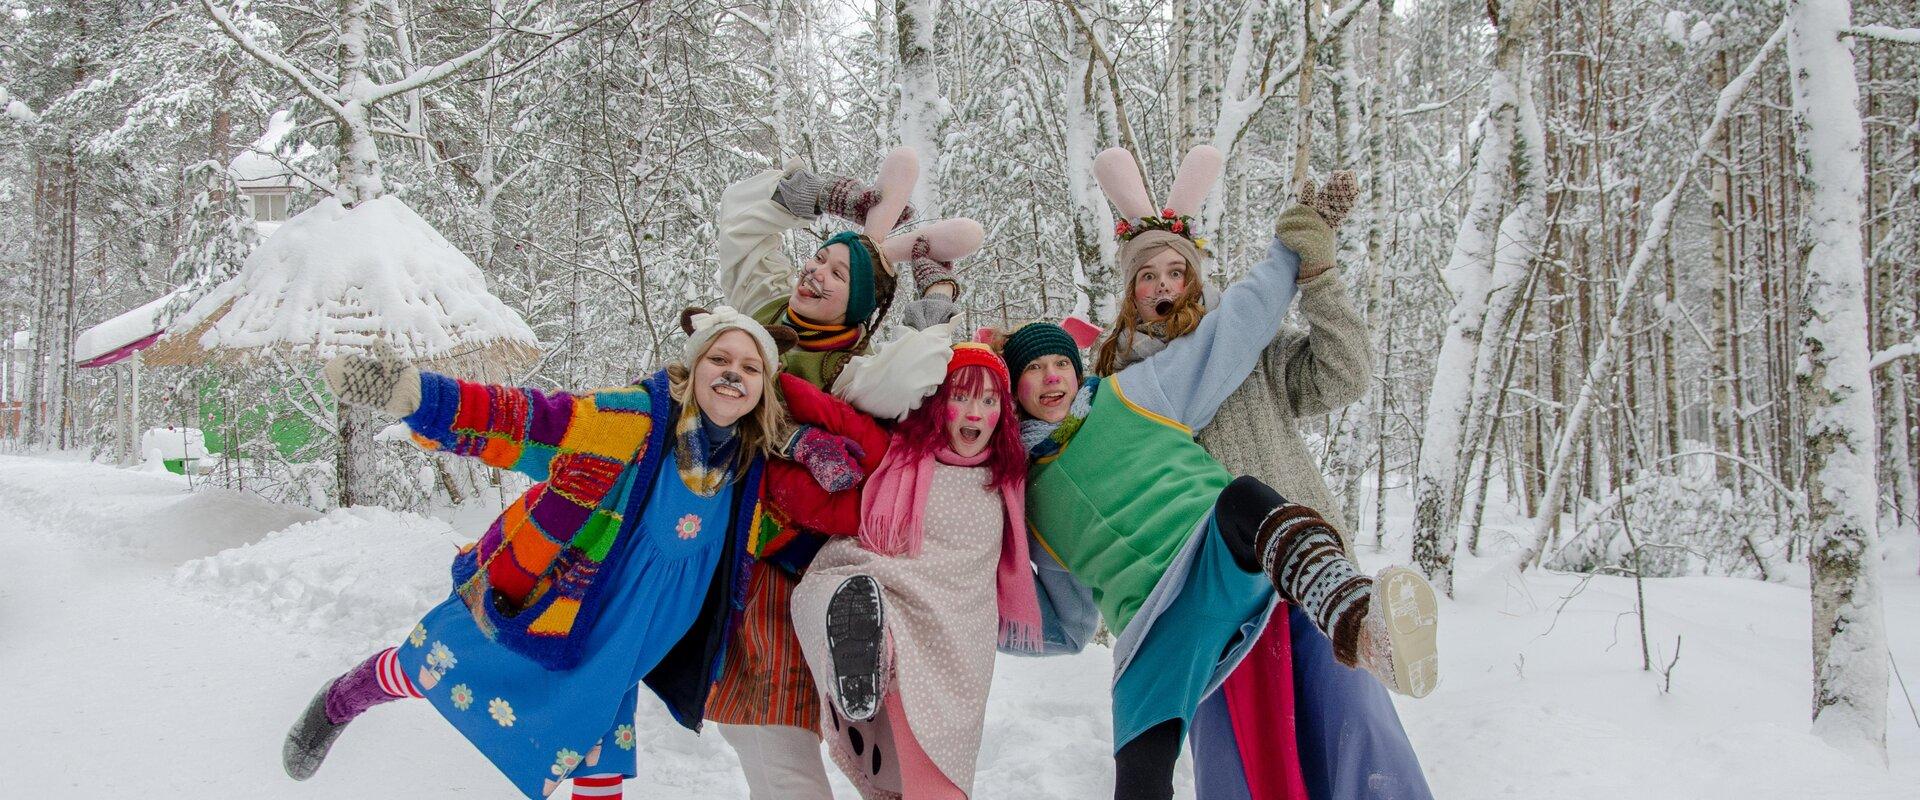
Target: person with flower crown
[{"x": 1187, "y": 563}]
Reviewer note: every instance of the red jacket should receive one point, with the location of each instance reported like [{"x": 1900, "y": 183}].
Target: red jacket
[{"x": 790, "y": 489}]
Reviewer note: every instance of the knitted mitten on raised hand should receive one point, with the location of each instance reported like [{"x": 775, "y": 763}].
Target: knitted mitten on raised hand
[
  {"x": 800, "y": 192},
  {"x": 927, "y": 312},
  {"x": 1307, "y": 226},
  {"x": 850, "y": 200},
  {"x": 834, "y": 460},
  {"x": 382, "y": 381}
]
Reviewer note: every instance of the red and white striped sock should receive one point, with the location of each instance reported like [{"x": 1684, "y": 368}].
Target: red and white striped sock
[
  {"x": 393, "y": 679},
  {"x": 598, "y": 787}
]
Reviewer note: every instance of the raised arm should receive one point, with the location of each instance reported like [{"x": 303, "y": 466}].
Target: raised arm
[
  {"x": 754, "y": 267},
  {"x": 1329, "y": 364},
  {"x": 525, "y": 429},
  {"x": 1189, "y": 380}
]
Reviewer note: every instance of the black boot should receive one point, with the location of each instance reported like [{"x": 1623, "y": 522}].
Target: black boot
[
  {"x": 311, "y": 737},
  {"x": 856, "y": 640}
]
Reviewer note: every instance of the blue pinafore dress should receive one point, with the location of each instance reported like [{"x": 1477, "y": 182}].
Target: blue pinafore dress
[{"x": 539, "y": 726}]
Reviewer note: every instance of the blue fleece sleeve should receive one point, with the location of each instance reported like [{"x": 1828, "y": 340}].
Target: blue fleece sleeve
[
  {"x": 1068, "y": 617},
  {"x": 1189, "y": 380}
]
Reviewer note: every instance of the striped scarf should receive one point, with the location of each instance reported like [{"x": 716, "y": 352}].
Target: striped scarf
[
  {"x": 820, "y": 337},
  {"x": 704, "y": 464}
]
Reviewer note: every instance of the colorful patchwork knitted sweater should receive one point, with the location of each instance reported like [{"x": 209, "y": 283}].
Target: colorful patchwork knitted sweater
[{"x": 533, "y": 581}]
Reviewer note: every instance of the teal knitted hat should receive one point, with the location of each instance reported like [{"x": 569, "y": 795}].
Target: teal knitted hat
[
  {"x": 860, "y": 276},
  {"x": 1037, "y": 339}
]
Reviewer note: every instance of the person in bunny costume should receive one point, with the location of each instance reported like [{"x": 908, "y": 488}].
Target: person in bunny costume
[
  {"x": 1186, "y": 562},
  {"x": 1340, "y": 729},
  {"x": 766, "y": 703}
]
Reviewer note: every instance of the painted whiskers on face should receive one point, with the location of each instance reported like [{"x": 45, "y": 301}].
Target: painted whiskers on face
[{"x": 732, "y": 382}]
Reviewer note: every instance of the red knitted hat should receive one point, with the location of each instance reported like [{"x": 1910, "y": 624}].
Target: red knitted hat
[{"x": 975, "y": 354}]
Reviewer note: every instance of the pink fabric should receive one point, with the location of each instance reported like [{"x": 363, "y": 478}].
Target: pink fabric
[
  {"x": 1261, "y": 705},
  {"x": 920, "y": 778},
  {"x": 890, "y": 524}
]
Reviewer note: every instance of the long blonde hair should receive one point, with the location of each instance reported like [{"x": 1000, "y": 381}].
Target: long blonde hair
[
  {"x": 761, "y": 432},
  {"x": 1188, "y": 308}
]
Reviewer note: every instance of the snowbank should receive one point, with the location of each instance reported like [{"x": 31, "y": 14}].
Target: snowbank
[{"x": 361, "y": 575}]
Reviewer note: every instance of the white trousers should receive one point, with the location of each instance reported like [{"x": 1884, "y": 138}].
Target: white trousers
[{"x": 781, "y": 762}]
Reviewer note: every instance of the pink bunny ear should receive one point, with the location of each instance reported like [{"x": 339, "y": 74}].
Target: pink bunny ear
[
  {"x": 1198, "y": 171},
  {"x": 1119, "y": 177},
  {"x": 1084, "y": 333},
  {"x": 984, "y": 335},
  {"x": 946, "y": 240},
  {"x": 898, "y": 173}
]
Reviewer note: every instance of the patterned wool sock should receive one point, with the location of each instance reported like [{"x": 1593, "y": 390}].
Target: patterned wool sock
[
  {"x": 1302, "y": 555},
  {"x": 376, "y": 680},
  {"x": 598, "y": 787}
]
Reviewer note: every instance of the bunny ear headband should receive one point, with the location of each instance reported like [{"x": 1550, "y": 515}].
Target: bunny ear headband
[
  {"x": 1120, "y": 178},
  {"x": 898, "y": 174}
]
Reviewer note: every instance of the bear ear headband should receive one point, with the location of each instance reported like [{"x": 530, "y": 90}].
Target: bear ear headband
[{"x": 1120, "y": 179}]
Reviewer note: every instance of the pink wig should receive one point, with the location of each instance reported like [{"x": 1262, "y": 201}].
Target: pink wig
[{"x": 924, "y": 431}]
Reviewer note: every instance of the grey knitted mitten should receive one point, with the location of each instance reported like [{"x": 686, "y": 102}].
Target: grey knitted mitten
[
  {"x": 1307, "y": 226},
  {"x": 382, "y": 381},
  {"x": 927, "y": 312},
  {"x": 800, "y": 192}
]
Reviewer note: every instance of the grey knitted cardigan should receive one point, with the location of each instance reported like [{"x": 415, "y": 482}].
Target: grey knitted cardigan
[{"x": 1302, "y": 374}]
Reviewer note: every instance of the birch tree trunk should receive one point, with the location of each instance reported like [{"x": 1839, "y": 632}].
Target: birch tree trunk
[
  {"x": 1090, "y": 126},
  {"x": 1480, "y": 282},
  {"x": 923, "y": 110},
  {"x": 1849, "y": 639}
]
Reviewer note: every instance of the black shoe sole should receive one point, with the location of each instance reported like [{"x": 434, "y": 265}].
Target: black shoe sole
[{"x": 855, "y": 634}]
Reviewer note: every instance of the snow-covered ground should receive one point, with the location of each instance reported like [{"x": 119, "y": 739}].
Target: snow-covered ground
[{"x": 156, "y": 642}]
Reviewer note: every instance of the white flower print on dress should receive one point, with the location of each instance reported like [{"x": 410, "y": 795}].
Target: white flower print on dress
[
  {"x": 462, "y": 697},
  {"x": 502, "y": 712},
  {"x": 419, "y": 635},
  {"x": 564, "y": 763},
  {"x": 441, "y": 657}
]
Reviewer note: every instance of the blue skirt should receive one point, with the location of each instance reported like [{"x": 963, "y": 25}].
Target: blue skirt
[
  {"x": 1185, "y": 654},
  {"x": 540, "y": 726}
]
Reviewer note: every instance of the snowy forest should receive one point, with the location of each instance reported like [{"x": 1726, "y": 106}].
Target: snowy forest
[{"x": 1641, "y": 277}]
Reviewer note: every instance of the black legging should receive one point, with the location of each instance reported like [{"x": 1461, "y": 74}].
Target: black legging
[
  {"x": 1143, "y": 769},
  {"x": 1242, "y": 506}
]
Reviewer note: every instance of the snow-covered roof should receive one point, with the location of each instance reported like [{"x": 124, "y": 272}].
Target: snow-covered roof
[
  {"x": 335, "y": 279},
  {"x": 117, "y": 338},
  {"x": 256, "y": 170},
  {"x": 256, "y": 167}
]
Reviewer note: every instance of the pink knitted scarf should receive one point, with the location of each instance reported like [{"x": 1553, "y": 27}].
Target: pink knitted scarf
[{"x": 891, "y": 510}]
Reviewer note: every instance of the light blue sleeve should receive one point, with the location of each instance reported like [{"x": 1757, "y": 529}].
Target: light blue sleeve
[
  {"x": 1189, "y": 380},
  {"x": 1068, "y": 616}
]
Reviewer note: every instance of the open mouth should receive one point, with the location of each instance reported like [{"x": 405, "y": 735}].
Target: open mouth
[
  {"x": 728, "y": 387},
  {"x": 811, "y": 288},
  {"x": 969, "y": 434},
  {"x": 1163, "y": 308},
  {"x": 1052, "y": 398}
]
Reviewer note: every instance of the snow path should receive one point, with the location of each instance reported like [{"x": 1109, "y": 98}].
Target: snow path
[{"x": 128, "y": 675}]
